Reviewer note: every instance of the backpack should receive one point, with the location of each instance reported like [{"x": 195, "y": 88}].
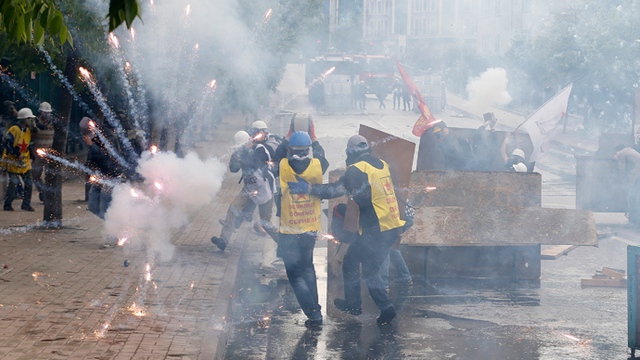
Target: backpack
[{"x": 272, "y": 143}]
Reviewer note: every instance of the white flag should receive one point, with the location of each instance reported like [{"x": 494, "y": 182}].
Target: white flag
[{"x": 544, "y": 124}]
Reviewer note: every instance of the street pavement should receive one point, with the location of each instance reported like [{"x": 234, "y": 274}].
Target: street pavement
[{"x": 65, "y": 296}]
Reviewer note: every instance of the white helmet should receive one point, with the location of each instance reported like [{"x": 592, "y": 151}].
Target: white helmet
[
  {"x": 259, "y": 124},
  {"x": 518, "y": 152},
  {"x": 25, "y": 113},
  {"x": 520, "y": 167},
  {"x": 241, "y": 138},
  {"x": 45, "y": 107}
]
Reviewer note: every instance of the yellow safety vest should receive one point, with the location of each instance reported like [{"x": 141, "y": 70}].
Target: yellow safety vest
[
  {"x": 383, "y": 196},
  {"x": 299, "y": 213},
  {"x": 21, "y": 140}
]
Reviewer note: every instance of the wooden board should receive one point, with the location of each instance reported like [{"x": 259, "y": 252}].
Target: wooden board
[
  {"x": 463, "y": 226},
  {"x": 552, "y": 252},
  {"x": 622, "y": 283}
]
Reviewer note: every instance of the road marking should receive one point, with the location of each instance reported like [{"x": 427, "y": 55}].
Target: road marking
[{"x": 625, "y": 241}]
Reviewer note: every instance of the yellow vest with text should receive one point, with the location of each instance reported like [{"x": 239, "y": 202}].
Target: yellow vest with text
[
  {"x": 383, "y": 196},
  {"x": 21, "y": 139},
  {"x": 299, "y": 213}
]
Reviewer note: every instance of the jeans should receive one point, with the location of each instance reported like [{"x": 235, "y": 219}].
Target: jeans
[
  {"x": 99, "y": 200},
  {"x": 14, "y": 180},
  {"x": 369, "y": 249},
  {"x": 402, "y": 271},
  {"x": 297, "y": 254},
  {"x": 236, "y": 214}
]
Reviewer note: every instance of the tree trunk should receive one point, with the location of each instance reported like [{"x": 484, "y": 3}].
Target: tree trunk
[{"x": 53, "y": 178}]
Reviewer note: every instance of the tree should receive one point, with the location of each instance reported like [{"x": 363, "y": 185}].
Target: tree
[
  {"x": 23, "y": 19},
  {"x": 577, "y": 40}
]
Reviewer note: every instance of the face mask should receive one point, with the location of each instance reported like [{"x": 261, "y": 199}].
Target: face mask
[{"x": 299, "y": 154}]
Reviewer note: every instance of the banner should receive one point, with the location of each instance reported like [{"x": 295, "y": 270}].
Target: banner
[
  {"x": 544, "y": 123},
  {"x": 426, "y": 119}
]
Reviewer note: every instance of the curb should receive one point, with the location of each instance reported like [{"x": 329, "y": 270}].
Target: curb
[{"x": 216, "y": 337}]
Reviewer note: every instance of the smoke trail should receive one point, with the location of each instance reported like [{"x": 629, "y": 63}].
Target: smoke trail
[
  {"x": 66, "y": 82},
  {"x": 111, "y": 119}
]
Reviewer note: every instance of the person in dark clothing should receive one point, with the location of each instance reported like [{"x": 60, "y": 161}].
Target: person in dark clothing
[
  {"x": 368, "y": 182},
  {"x": 299, "y": 122},
  {"x": 485, "y": 146},
  {"x": 101, "y": 161},
  {"x": 406, "y": 99},
  {"x": 456, "y": 150},
  {"x": 254, "y": 159},
  {"x": 440, "y": 150},
  {"x": 300, "y": 216},
  {"x": 430, "y": 155}
]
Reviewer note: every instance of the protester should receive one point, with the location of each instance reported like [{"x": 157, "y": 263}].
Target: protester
[
  {"x": 368, "y": 182},
  {"x": 16, "y": 157},
  {"x": 514, "y": 162},
  {"x": 300, "y": 216},
  {"x": 107, "y": 170},
  {"x": 455, "y": 149},
  {"x": 42, "y": 139},
  {"x": 300, "y": 122},
  {"x": 397, "y": 94},
  {"x": 629, "y": 164},
  {"x": 254, "y": 159},
  {"x": 485, "y": 146}
]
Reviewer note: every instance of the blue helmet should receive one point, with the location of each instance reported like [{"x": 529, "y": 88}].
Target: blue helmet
[{"x": 299, "y": 140}]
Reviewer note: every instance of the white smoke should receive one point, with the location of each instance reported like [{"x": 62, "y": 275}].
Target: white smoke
[
  {"x": 174, "y": 188},
  {"x": 489, "y": 89}
]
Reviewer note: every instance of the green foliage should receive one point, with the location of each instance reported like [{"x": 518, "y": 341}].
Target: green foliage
[
  {"x": 594, "y": 40},
  {"x": 24, "y": 21},
  {"x": 123, "y": 11}
]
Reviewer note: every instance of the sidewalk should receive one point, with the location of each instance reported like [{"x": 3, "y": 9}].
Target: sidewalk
[{"x": 65, "y": 297}]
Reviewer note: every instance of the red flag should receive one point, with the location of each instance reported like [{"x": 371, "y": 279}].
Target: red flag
[{"x": 426, "y": 119}]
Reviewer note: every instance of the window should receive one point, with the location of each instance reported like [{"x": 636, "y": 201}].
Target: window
[
  {"x": 433, "y": 6},
  {"x": 497, "y": 8},
  {"x": 497, "y": 45}
]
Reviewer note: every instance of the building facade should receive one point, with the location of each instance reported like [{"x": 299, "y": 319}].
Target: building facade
[{"x": 489, "y": 25}]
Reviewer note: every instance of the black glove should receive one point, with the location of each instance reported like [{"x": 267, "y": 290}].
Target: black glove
[{"x": 299, "y": 187}]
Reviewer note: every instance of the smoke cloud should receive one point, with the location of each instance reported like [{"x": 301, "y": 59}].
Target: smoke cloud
[
  {"x": 150, "y": 212},
  {"x": 489, "y": 89}
]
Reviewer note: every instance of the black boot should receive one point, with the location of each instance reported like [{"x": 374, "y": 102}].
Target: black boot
[
  {"x": 386, "y": 315},
  {"x": 344, "y": 307},
  {"x": 219, "y": 242}
]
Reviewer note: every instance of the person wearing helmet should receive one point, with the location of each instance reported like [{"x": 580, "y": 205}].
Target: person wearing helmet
[
  {"x": 42, "y": 138},
  {"x": 517, "y": 155},
  {"x": 255, "y": 161},
  {"x": 367, "y": 181},
  {"x": 299, "y": 223},
  {"x": 300, "y": 122},
  {"x": 16, "y": 157}
]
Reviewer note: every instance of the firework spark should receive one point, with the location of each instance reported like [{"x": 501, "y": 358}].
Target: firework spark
[
  {"x": 267, "y": 15},
  {"x": 113, "y": 41}
]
